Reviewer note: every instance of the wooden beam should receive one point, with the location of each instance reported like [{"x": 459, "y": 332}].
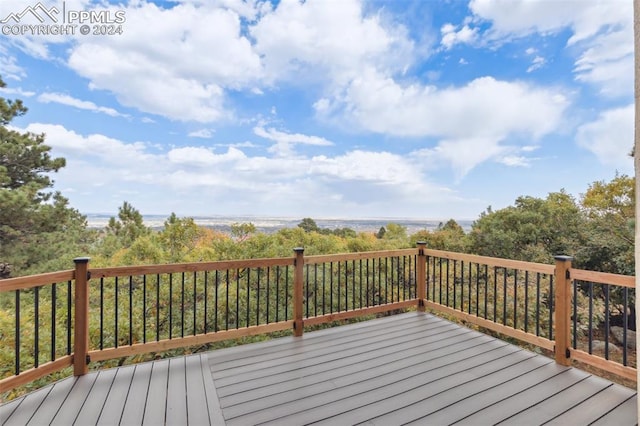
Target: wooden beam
[
  {"x": 421, "y": 275},
  {"x": 81, "y": 318},
  {"x": 338, "y": 316},
  {"x": 29, "y": 376},
  {"x": 298, "y": 300},
  {"x": 562, "y": 310}
]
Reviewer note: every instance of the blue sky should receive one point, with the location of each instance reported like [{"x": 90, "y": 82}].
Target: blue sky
[{"x": 327, "y": 108}]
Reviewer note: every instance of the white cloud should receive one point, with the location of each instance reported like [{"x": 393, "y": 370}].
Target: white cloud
[
  {"x": 284, "y": 141},
  {"x": 198, "y": 52},
  {"x": 77, "y": 103},
  {"x": 602, "y": 33},
  {"x": 537, "y": 63},
  {"x": 515, "y": 161},
  {"x": 16, "y": 91},
  {"x": 452, "y": 36},
  {"x": 610, "y": 138},
  {"x": 196, "y": 176},
  {"x": 202, "y": 133}
]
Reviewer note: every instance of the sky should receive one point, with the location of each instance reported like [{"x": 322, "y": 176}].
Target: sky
[{"x": 323, "y": 108}]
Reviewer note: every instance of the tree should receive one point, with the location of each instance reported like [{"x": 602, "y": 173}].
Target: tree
[
  {"x": 534, "y": 229},
  {"x": 37, "y": 226},
  {"x": 309, "y": 225},
  {"x": 242, "y": 231},
  {"x": 179, "y": 236},
  {"x": 610, "y": 209},
  {"x": 381, "y": 232}
]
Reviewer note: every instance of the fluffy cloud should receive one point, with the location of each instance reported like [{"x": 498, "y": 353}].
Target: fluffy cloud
[
  {"x": 602, "y": 33},
  {"x": 198, "y": 52},
  {"x": 610, "y": 137},
  {"x": 77, "y": 103},
  {"x": 452, "y": 36}
]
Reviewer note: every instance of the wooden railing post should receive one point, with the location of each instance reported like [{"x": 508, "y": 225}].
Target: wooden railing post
[
  {"x": 81, "y": 317},
  {"x": 421, "y": 275},
  {"x": 562, "y": 303},
  {"x": 298, "y": 284}
]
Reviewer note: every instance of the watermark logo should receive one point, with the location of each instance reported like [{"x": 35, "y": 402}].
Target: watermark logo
[{"x": 39, "y": 20}]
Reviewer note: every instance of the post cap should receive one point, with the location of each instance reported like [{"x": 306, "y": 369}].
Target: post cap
[
  {"x": 563, "y": 258},
  {"x": 81, "y": 260},
  {"x": 421, "y": 243},
  {"x": 299, "y": 249}
]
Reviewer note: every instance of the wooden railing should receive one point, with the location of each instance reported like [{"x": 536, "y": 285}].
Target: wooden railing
[{"x": 86, "y": 315}]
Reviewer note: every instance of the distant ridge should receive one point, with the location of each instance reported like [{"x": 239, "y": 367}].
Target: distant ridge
[{"x": 273, "y": 224}]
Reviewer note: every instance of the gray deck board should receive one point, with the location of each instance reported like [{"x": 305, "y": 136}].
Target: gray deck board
[
  {"x": 92, "y": 407},
  {"x": 115, "y": 401},
  {"x": 133, "y": 412},
  {"x": 155, "y": 407},
  {"x": 52, "y": 403},
  {"x": 394, "y": 370},
  {"x": 21, "y": 411}
]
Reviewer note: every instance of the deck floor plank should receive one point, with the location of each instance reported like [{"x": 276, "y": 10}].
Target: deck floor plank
[
  {"x": 411, "y": 367},
  {"x": 197, "y": 409},
  {"x": 592, "y": 408},
  {"x": 93, "y": 405},
  {"x": 177, "y": 392},
  {"x": 502, "y": 410},
  {"x": 117, "y": 397},
  {"x": 22, "y": 410},
  {"x": 52, "y": 403},
  {"x": 75, "y": 400},
  {"x": 133, "y": 412},
  {"x": 155, "y": 406}
]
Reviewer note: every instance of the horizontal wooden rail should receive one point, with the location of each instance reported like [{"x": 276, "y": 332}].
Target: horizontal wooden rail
[
  {"x": 188, "y": 267},
  {"x": 604, "y": 364},
  {"x": 326, "y": 258},
  {"x": 338, "y": 316},
  {"x": 183, "y": 342},
  {"x": 23, "y": 283},
  {"x": 603, "y": 278},
  {"x": 490, "y": 325},
  {"x": 493, "y": 261},
  {"x": 29, "y": 376}
]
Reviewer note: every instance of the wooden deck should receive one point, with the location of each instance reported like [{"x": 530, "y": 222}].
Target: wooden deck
[{"x": 410, "y": 368}]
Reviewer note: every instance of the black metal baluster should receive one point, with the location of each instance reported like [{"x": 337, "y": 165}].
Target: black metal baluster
[
  {"x": 338, "y": 284},
  {"x": 469, "y": 303},
  {"x": 36, "y": 323},
  {"x": 538, "y": 304},
  {"x": 360, "y": 280},
  {"x": 306, "y": 291},
  {"x": 215, "y": 308},
  {"x": 170, "y": 306},
  {"x": 353, "y": 284},
  {"x": 323, "y": 288},
  {"x": 575, "y": 311},
  {"x": 258, "y": 298},
  {"x": 495, "y": 293},
  {"x": 227, "y": 305},
  {"x": 195, "y": 298},
  {"x": 53, "y": 321},
  {"x": 115, "y": 334},
  {"x": 331, "y": 287},
  {"x": 17, "y": 332},
  {"x": 144, "y": 309},
  {"x": 268, "y": 285},
  {"x": 461, "y": 286},
  {"x": 206, "y": 297},
  {"x": 504, "y": 300},
  {"x": 515, "y": 298},
  {"x": 286, "y": 294},
  {"x": 69, "y": 305},
  {"x": 477, "y": 289},
  {"x": 237, "y": 298},
  {"x": 486, "y": 289},
  {"x": 248, "y": 297},
  {"x": 550, "y": 302},
  {"x": 157, "y": 307},
  {"x": 526, "y": 301},
  {"x": 367, "y": 275},
  {"x": 440, "y": 281},
  {"x": 455, "y": 267},
  {"x": 606, "y": 322},
  {"x": 130, "y": 309},
  {"x": 182, "y": 305},
  {"x": 277, "y": 293},
  {"x": 625, "y": 324}
]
